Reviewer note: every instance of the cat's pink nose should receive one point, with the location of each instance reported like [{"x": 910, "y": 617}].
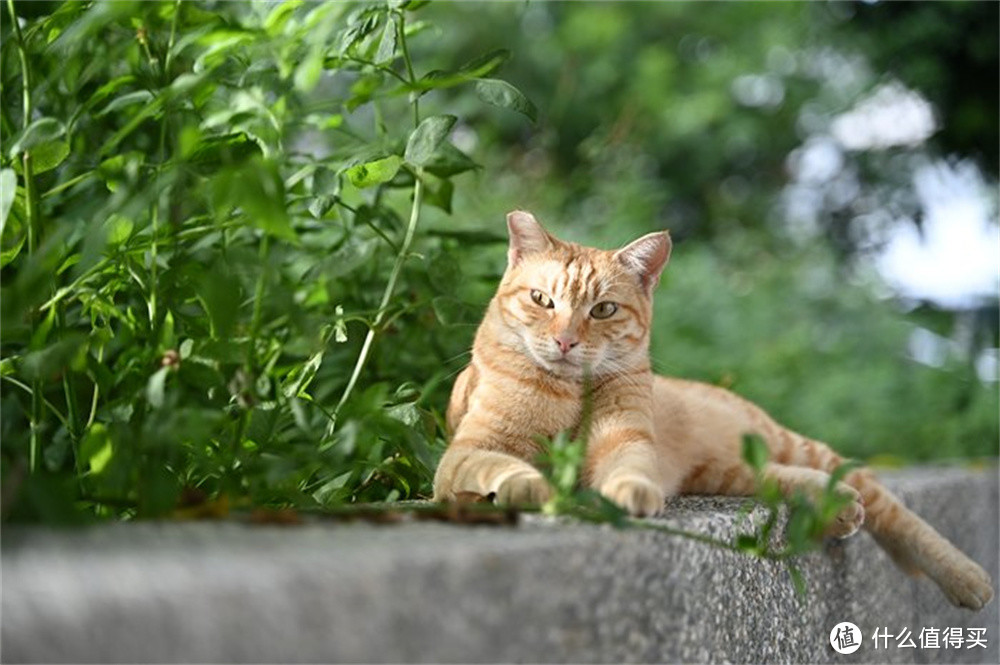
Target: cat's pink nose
[{"x": 566, "y": 343}]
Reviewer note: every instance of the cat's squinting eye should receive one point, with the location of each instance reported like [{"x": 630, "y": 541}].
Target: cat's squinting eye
[
  {"x": 541, "y": 299},
  {"x": 603, "y": 310}
]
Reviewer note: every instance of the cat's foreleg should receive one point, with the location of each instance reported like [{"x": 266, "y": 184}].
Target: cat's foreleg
[
  {"x": 622, "y": 461},
  {"x": 624, "y": 466},
  {"x": 467, "y": 468}
]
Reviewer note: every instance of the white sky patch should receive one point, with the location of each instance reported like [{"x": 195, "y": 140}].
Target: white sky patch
[
  {"x": 955, "y": 262},
  {"x": 893, "y": 115}
]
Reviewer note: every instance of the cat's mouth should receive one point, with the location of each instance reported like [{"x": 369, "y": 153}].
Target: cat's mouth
[{"x": 562, "y": 365}]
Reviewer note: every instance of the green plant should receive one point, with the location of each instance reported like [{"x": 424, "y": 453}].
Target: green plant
[{"x": 209, "y": 285}]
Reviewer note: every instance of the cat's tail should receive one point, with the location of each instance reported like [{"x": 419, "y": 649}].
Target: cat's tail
[
  {"x": 917, "y": 547},
  {"x": 912, "y": 543}
]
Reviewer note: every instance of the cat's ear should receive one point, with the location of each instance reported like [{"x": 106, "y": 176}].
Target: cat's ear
[
  {"x": 646, "y": 257},
  {"x": 526, "y": 236}
]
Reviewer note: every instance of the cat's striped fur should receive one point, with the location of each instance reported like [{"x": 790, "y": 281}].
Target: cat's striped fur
[{"x": 561, "y": 307}]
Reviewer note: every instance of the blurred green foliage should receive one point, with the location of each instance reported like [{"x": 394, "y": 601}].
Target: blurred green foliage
[{"x": 251, "y": 242}]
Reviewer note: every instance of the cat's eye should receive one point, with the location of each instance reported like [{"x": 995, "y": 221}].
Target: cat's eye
[
  {"x": 541, "y": 299},
  {"x": 603, "y": 310}
]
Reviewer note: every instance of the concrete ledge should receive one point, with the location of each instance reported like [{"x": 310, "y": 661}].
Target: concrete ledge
[{"x": 424, "y": 592}]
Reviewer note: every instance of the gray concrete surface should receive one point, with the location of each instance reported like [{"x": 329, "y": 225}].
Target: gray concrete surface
[{"x": 544, "y": 591}]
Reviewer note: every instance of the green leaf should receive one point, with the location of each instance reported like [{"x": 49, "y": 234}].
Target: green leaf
[
  {"x": 440, "y": 196},
  {"x": 842, "y": 470},
  {"x": 755, "y": 451},
  {"x": 128, "y": 99},
  {"x": 155, "y": 387},
  {"x": 426, "y": 138},
  {"x": 801, "y": 525},
  {"x": 387, "y": 43},
  {"x": 108, "y": 89},
  {"x": 355, "y": 253},
  {"x": 38, "y": 132},
  {"x": 96, "y": 449},
  {"x": 298, "y": 379},
  {"x": 8, "y": 190},
  {"x": 119, "y": 229},
  {"x": 473, "y": 70},
  {"x": 375, "y": 172},
  {"x": 748, "y": 543},
  {"x": 47, "y": 156},
  {"x": 448, "y": 161},
  {"x": 256, "y": 189},
  {"x": 486, "y": 63},
  {"x": 308, "y": 73},
  {"x": 503, "y": 94},
  {"x": 798, "y": 581},
  {"x": 276, "y": 20}
]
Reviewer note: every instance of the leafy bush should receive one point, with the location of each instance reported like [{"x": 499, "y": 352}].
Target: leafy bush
[{"x": 215, "y": 221}]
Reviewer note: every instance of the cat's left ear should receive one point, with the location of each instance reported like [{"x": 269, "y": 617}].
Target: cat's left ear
[
  {"x": 646, "y": 257},
  {"x": 526, "y": 236}
]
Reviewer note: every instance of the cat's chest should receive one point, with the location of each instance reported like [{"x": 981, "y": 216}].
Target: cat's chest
[{"x": 528, "y": 407}]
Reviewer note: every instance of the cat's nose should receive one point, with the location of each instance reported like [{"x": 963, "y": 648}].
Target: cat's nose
[{"x": 566, "y": 343}]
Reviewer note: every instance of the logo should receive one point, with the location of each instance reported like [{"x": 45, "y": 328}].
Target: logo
[{"x": 845, "y": 637}]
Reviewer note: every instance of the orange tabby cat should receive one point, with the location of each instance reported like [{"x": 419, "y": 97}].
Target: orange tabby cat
[{"x": 561, "y": 308}]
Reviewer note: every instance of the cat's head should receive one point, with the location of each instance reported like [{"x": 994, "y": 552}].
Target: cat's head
[{"x": 568, "y": 307}]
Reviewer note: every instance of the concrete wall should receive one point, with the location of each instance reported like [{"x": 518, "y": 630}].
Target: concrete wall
[{"x": 544, "y": 591}]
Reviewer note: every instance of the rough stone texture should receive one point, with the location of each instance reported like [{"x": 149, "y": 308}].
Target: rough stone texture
[{"x": 545, "y": 591}]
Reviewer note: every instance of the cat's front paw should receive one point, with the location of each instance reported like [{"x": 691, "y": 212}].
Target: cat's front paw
[
  {"x": 635, "y": 493},
  {"x": 851, "y": 517},
  {"x": 524, "y": 486}
]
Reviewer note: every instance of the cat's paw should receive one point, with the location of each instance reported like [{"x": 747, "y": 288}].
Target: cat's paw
[
  {"x": 851, "y": 517},
  {"x": 635, "y": 493},
  {"x": 967, "y": 585},
  {"x": 522, "y": 487}
]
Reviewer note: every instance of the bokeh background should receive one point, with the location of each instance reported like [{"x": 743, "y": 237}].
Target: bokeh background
[{"x": 221, "y": 192}]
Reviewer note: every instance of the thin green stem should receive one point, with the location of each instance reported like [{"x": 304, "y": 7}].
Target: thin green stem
[
  {"x": 258, "y": 301},
  {"x": 25, "y": 70},
  {"x": 31, "y": 196},
  {"x": 31, "y": 212},
  {"x": 69, "y": 183},
  {"x": 97, "y": 392},
  {"x": 153, "y": 255},
  {"x": 390, "y": 288},
  {"x": 26, "y": 388},
  {"x": 404, "y": 249},
  {"x": 168, "y": 57},
  {"x": 401, "y": 30},
  {"x": 251, "y": 359},
  {"x": 155, "y": 213}
]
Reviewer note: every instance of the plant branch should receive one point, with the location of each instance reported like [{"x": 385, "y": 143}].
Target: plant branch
[
  {"x": 31, "y": 212},
  {"x": 390, "y": 287},
  {"x": 401, "y": 29}
]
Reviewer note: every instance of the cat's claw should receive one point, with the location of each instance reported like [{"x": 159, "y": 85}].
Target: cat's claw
[
  {"x": 526, "y": 487},
  {"x": 636, "y": 494}
]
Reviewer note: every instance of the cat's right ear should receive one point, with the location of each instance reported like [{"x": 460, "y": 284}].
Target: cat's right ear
[{"x": 526, "y": 236}]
